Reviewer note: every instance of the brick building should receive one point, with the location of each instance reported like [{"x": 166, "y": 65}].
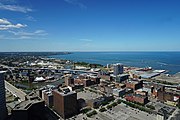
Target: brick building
[
  {"x": 65, "y": 103},
  {"x": 137, "y": 98},
  {"x": 134, "y": 84},
  {"x": 69, "y": 80}
]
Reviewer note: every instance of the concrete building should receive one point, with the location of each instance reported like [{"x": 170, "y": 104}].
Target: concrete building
[
  {"x": 108, "y": 65},
  {"x": 119, "y": 92},
  {"x": 105, "y": 75},
  {"x": 3, "y": 110},
  {"x": 95, "y": 79},
  {"x": 143, "y": 91},
  {"x": 118, "y": 69},
  {"x": 120, "y": 85},
  {"x": 33, "y": 108},
  {"x": 168, "y": 96},
  {"x": 96, "y": 102},
  {"x": 48, "y": 97},
  {"x": 87, "y": 81},
  {"x": 76, "y": 86},
  {"x": 65, "y": 102},
  {"x": 121, "y": 78},
  {"x": 47, "y": 87},
  {"x": 162, "y": 114}
]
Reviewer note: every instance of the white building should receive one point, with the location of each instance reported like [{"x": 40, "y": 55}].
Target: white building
[
  {"x": 118, "y": 69},
  {"x": 3, "y": 110}
]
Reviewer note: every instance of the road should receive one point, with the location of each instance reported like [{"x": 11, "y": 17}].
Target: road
[
  {"x": 70, "y": 70},
  {"x": 15, "y": 91}
]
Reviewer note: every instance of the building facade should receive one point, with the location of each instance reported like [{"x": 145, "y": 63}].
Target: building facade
[
  {"x": 119, "y": 92},
  {"x": 33, "y": 108},
  {"x": 65, "y": 103},
  {"x": 134, "y": 84},
  {"x": 69, "y": 80},
  {"x": 118, "y": 69},
  {"x": 3, "y": 110},
  {"x": 121, "y": 78}
]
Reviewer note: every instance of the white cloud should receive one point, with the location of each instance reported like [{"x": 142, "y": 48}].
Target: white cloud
[
  {"x": 40, "y": 32},
  {"x": 35, "y": 33},
  {"x": 30, "y": 18},
  {"x": 8, "y": 1},
  {"x": 6, "y": 25},
  {"x": 76, "y": 2},
  {"x": 15, "y": 8},
  {"x": 3, "y": 28},
  {"x": 23, "y": 37},
  {"x": 11, "y": 26},
  {"x": 4, "y": 21}
]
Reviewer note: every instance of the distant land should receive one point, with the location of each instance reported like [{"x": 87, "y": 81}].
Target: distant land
[{"x": 2, "y": 54}]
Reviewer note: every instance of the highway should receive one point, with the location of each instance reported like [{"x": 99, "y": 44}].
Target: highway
[{"x": 15, "y": 91}]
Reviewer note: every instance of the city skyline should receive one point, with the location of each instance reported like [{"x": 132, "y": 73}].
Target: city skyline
[{"x": 89, "y": 25}]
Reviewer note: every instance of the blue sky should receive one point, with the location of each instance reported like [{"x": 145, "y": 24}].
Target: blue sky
[{"x": 89, "y": 25}]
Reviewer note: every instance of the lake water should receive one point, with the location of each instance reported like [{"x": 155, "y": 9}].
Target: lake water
[{"x": 157, "y": 60}]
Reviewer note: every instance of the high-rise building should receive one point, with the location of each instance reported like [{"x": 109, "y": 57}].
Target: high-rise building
[
  {"x": 118, "y": 69},
  {"x": 3, "y": 110},
  {"x": 65, "y": 103}
]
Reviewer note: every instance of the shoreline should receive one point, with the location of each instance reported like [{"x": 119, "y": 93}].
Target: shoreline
[{"x": 77, "y": 61}]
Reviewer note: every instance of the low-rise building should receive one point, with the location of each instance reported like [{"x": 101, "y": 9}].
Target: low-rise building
[
  {"x": 143, "y": 91},
  {"x": 76, "y": 86},
  {"x": 168, "y": 96},
  {"x": 96, "y": 102},
  {"x": 134, "y": 84},
  {"x": 122, "y": 77},
  {"x": 162, "y": 114},
  {"x": 105, "y": 75},
  {"x": 119, "y": 92},
  {"x": 137, "y": 98}
]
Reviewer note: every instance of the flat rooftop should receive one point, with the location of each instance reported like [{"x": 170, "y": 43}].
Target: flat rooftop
[
  {"x": 26, "y": 104},
  {"x": 118, "y": 90},
  {"x": 2, "y": 72},
  {"x": 122, "y": 75},
  {"x": 64, "y": 93},
  {"x": 133, "y": 81}
]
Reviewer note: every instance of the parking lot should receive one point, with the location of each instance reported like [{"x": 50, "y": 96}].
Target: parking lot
[
  {"x": 123, "y": 112},
  {"x": 87, "y": 95},
  {"x": 120, "y": 112}
]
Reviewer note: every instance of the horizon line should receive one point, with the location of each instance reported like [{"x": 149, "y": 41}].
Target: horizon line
[{"x": 93, "y": 51}]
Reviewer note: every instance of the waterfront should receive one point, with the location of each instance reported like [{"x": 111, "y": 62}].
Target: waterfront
[
  {"x": 43, "y": 76},
  {"x": 169, "y": 61}
]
